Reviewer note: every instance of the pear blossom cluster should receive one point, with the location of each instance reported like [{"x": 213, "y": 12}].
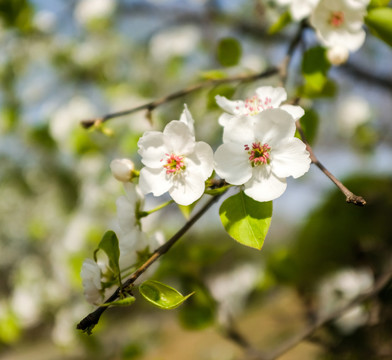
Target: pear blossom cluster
[
  {"x": 258, "y": 153},
  {"x": 338, "y": 23}
]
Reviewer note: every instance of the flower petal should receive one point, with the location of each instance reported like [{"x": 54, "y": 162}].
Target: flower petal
[
  {"x": 264, "y": 185},
  {"x": 290, "y": 158},
  {"x": 276, "y": 94},
  {"x": 295, "y": 111},
  {"x": 201, "y": 160},
  {"x": 232, "y": 107},
  {"x": 187, "y": 119},
  {"x": 225, "y": 119},
  {"x": 152, "y": 148},
  {"x": 232, "y": 164},
  {"x": 154, "y": 180},
  {"x": 187, "y": 189},
  {"x": 239, "y": 131},
  {"x": 178, "y": 138},
  {"x": 273, "y": 125}
]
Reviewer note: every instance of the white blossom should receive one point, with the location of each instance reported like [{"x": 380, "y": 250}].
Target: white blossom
[
  {"x": 338, "y": 290},
  {"x": 337, "y": 55},
  {"x": 352, "y": 112},
  {"x": 175, "y": 162},
  {"x": 299, "y": 9},
  {"x": 260, "y": 152},
  {"x": 91, "y": 280},
  {"x": 339, "y": 23},
  {"x": 266, "y": 97},
  {"x": 122, "y": 169}
]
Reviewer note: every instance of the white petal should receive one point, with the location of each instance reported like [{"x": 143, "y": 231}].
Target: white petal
[
  {"x": 178, "y": 138},
  {"x": 225, "y": 119},
  {"x": 290, "y": 158},
  {"x": 264, "y": 185},
  {"x": 232, "y": 107},
  {"x": 125, "y": 214},
  {"x": 239, "y": 131},
  {"x": 276, "y": 94},
  {"x": 201, "y": 160},
  {"x": 154, "y": 180},
  {"x": 187, "y": 189},
  {"x": 232, "y": 164},
  {"x": 273, "y": 125},
  {"x": 295, "y": 111},
  {"x": 187, "y": 119},
  {"x": 152, "y": 148}
]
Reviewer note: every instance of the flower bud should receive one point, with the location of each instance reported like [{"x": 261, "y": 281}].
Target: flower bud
[
  {"x": 337, "y": 55},
  {"x": 122, "y": 169}
]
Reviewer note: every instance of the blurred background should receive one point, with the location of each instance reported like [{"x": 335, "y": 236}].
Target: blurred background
[{"x": 63, "y": 61}]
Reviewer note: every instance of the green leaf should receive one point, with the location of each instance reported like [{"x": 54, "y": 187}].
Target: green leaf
[
  {"x": 378, "y": 3},
  {"x": 127, "y": 301},
  {"x": 379, "y": 21},
  {"x": 229, "y": 51},
  {"x": 246, "y": 220},
  {"x": 281, "y": 23},
  {"x": 161, "y": 295},
  {"x": 109, "y": 244},
  {"x": 309, "y": 123},
  {"x": 213, "y": 75}
]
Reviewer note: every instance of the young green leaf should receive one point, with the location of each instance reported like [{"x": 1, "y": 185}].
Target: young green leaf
[
  {"x": 379, "y": 21},
  {"x": 229, "y": 51},
  {"x": 161, "y": 295},
  {"x": 127, "y": 301},
  {"x": 281, "y": 23},
  {"x": 246, "y": 220},
  {"x": 109, "y": 244}
]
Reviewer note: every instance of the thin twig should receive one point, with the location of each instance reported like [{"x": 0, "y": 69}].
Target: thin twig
[
  {"x": 175, "y": 95},
  {"x": 92, "y": 319},
  {"x": 380, "y": 284},
  {"x": 350, "y": 196}
]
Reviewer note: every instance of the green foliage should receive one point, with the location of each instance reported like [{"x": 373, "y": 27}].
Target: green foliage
[
  {"x": 337, "y": 235},
  {"x": 379, "y": 21},
  {"x": 109, "y": 244},
  {"x": 246, "y": 220},
  {"x": 125, "y": 301},
  {"x": 162, "y": 295},
  {"x": 378, "y": 3},
  {"x": 17, "y": 14},
  {"x": 229, "y": 52},
  {"x": 309, "y": 124},
  {"x": 280, "y": 24},
  {"x": 315, "y": 66}
]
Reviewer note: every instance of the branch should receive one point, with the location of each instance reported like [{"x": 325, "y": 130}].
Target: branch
[
  {"x": 382, "y": 282},
  {"x": 350, "y": 196},
  {"x": 92, "y": 319},
  {"x": 175, "y": 95}
]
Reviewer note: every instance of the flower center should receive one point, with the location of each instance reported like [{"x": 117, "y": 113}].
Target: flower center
[
  {"x": 258, "y": 154},
  {"x": 174, "y": 164},
  {"x": 255, "y": 104},
  {"x": 336, "y": 19}
]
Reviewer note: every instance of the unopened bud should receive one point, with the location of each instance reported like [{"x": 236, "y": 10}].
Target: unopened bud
[
  {"x": 122, "y": 169},
  {"x": 337, "y": 55}
]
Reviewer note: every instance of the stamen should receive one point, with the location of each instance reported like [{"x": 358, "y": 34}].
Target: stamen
[
  {"x": 255, "y": 104},
  {"x": 174, "y": 164},
  {"x": 336, "y": 19},
  {"x": 259, "y": 154}
]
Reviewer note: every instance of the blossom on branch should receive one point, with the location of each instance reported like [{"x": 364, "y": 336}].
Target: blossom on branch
[
  {"x": 91, "y": 281},
  {"x": 259, "y": 152},
  {"x": 122, "y": 169},
  {"x": 339, "y": 23},
  {"x": 266, "y": 97},
  {"x": 175, "y": 162},
  {"x": 299, "y": 9}
]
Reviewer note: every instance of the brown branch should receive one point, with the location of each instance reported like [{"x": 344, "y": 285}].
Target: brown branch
[
  {"x": 178, "y": 94},
  {"x": 380, "y": 284},
  {"x": 92, "y": 319},
  {"x": 350, "y": 196}
]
